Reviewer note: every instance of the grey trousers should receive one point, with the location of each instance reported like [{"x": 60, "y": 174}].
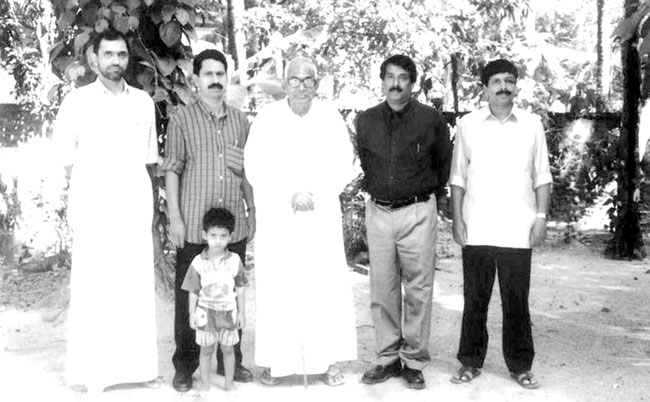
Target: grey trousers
[{"x": 402, "y": 248}]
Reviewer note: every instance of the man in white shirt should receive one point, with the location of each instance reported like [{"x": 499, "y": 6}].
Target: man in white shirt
[{"x": 500, "y": 184}]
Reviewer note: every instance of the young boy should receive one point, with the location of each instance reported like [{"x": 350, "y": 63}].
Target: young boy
[{"x": 216, "y": 311}]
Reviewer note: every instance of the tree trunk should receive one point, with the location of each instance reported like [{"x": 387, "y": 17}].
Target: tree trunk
[
  {"x": 599, "y": 53},
  {"x": 627, "y": 241},
  {"x": 454, "y": 80},
  {"x": 236, "y": 37}
]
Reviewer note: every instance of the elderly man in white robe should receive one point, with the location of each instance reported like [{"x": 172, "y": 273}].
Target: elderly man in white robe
[{"x": 299, "y": 159}]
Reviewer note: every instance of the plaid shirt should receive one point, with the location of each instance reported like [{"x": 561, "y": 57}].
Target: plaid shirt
[{"x": 206, "y": 151}]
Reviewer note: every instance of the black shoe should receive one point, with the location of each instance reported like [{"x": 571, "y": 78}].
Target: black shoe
[
  {"x": 413, "y": 378},
  {"x": 242, "y": 374},
  {"x": 382, "y": 373},
  {"x": 182, "y": 382}
]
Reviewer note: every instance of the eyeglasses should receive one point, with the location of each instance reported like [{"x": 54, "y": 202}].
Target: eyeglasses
[{"x": 308, "y": 82}]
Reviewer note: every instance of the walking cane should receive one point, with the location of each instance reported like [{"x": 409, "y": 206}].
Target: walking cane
[{"x": 299, "y": 216}]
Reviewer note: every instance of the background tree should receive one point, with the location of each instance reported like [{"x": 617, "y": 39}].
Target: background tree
[{"x": 628, "y": 239}]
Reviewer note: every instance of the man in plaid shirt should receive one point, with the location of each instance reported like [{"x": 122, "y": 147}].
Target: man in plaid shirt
[{"x": 204, "y": 169}]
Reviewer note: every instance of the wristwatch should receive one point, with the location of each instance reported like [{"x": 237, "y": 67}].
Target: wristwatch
[{"x": 540, "y": 215}]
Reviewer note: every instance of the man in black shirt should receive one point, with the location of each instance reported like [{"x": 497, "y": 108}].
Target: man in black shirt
[{"x": 405, "y": 154}]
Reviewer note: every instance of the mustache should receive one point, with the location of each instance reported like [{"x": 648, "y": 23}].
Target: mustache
[
  {"x": 395, "y": 88},
  {"x": 215, "y": 85},
  {"x": 504, "y": 92}
]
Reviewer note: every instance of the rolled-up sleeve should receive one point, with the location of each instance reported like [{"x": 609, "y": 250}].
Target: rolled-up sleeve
[
  {"x": 458, "y": 174},
  {"x": 541, "y": 168},
  {"x": 175, "y": 155}
]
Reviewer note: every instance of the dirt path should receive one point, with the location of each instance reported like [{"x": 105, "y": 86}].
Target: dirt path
[{"x": 591, "y": 327}]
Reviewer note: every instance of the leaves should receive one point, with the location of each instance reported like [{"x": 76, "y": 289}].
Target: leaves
[
  {"x": 89, "y": 13},
  {"x": 55, "y": 50},
  {"x": 190, "y": 3},
  {"x": 644, "y": 48},
  {"x": 133, "y": 23},
  {"x": 165, "y": 65},
  {"x": 626, "y": 28},
  {"x": 167, "y": 12},
  {"x": 160, "y": 95},
  {"x": 182, "y": 16},
  {"x": 170, "y": 33},
  {"x": 80, "y": 41},
  {"x": 121, "y": 23},
  {"x": 184, "y": 94},
  {"x": 65, "y": 20},
  {"x": 101, "y": 25},
  {"x": 186, "y": 66},
  {"x": 118, "y": 8},
  {"x": 133, "y": 4}
]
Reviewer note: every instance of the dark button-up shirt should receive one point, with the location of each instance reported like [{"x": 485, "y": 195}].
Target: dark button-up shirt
[{"x": 404, "y": 153}]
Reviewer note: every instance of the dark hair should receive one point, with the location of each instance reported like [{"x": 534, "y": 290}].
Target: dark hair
[
  {"x": 207, "y": 55},
  {"x": 219, "y": 217},
  {"x": 497, "y": 67},
  {"x": 402, "y": 61},
  {"x": 109, "y": 35}
]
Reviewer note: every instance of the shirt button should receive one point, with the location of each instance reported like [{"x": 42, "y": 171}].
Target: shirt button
[
  {"x": 220, "y": 177},
  {"x": 220, "y": 155},
  {"x": 220, "y": 201}
]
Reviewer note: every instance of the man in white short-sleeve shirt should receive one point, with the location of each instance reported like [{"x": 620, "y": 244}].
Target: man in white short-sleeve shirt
[{"x": 500, "y": 183}]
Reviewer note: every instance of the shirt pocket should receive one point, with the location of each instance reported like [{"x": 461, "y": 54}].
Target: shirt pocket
[{"x": 235, "y": 159}]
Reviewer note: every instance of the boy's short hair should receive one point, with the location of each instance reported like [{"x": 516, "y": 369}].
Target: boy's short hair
[
  {"x": 497, "y": 67},
  {"x": 219, "y": 217}
]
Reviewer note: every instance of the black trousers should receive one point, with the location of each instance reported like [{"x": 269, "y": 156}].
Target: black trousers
[
  {"x": 186, "y": 356},
  {"x": 480, "y": 265}
]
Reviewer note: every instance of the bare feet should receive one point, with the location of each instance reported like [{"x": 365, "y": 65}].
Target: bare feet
[
  {"x": 230, "y": 386},
  {"x": 333, "y": 377},
  {"x": 203, "y": 389}
]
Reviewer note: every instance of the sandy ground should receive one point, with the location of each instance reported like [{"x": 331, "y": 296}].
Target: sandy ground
[{"x": 591, "y": 321}]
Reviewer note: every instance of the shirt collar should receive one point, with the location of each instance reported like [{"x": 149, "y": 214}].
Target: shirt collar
[
  {"x": 99, "y": 85},
  {"x": 206, "y": 109},
  {"x": 513, "y": 116},
  {"x": 204, "y": 254},
  {"x": 399, "y": 113}
]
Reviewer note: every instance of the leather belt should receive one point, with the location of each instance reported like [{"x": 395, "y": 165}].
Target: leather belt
[{"x": 402, "y": 202}]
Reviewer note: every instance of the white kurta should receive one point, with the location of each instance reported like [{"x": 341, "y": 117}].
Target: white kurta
[
  {"x": 304, "y": 305},
  {"x": 112, "y": 319}
]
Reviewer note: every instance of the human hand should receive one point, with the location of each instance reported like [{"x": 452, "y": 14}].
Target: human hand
[
  {"x": 251, "y": 222},
  {"x": 193, "y": 321},
  {"x": 460, "y": 232},
  {"x": 241, "y": 320},
  {"x": 538, "y": 232},
  {"x": 177, "y": 232},
  {"x": 302, "y": 201}
]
